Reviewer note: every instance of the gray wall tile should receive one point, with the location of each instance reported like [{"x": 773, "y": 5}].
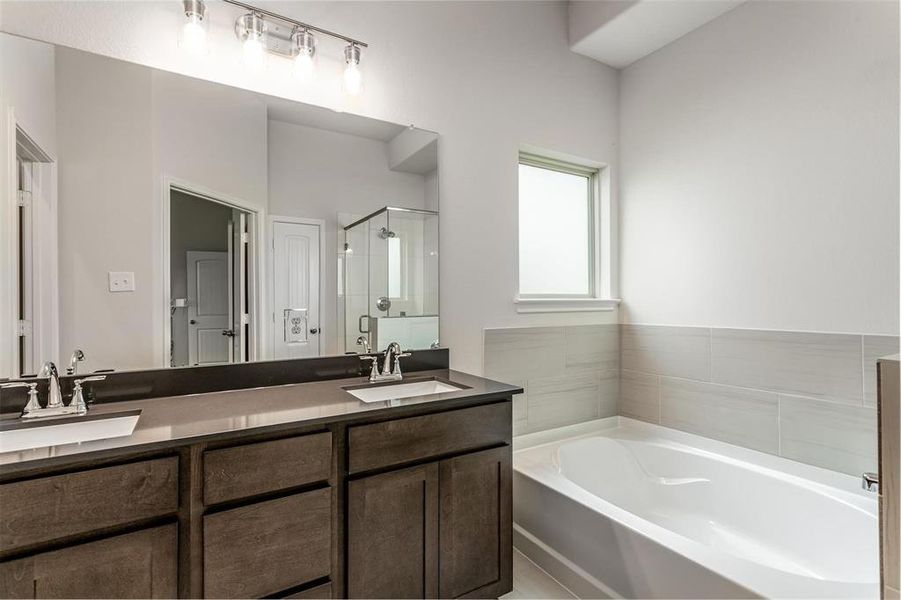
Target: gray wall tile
[
  {"x": 570, "y": 374},
  {"x": 639, "y": 396},
  {"x": 875, "y": 347},
  {"x": 522, "y": 353},
  {"x": 563, "y": 400},
  {"x": 835, "y": 436},
  {"x": 608, "y": 403},
  {"x": 822, "y": 365},
  {"x": 664, "y": 350},
  {"x": 520, "y": 407},
  {"x": 740, "y": 416},
  {"x": 592, "y": 347}
]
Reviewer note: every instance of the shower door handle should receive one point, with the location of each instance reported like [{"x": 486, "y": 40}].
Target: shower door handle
[{"x": 360, "y": 324}]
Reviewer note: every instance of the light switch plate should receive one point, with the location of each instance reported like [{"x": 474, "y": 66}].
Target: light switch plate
[{"x": 121, "y": 281}]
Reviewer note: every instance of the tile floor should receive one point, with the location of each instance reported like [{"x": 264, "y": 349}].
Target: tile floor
[{"x": 530, "y": 582}]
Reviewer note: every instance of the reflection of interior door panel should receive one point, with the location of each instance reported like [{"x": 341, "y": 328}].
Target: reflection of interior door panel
[
  {"x": 239, "y": 318},
  {"x": 209, "y": 308},
  {"x": 296, "y": 289}
]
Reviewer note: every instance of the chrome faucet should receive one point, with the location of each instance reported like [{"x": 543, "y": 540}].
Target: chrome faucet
[
  {"x": 55, "y": 406},
  {"x": 392, "y": 355},
  {"x": 55, "y": 396},
  {"x": 391, "y": 352},
  {"x": 870, "y": 482},
  {"x": 363, "y": 341},
  {"x": 77, "y": 357}
]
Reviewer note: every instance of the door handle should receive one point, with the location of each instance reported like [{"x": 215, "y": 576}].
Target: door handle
[
  {"x": 228, "y": 332},
  {"x": 193, "y": 322},
  {"x": 314, "y": 331}
]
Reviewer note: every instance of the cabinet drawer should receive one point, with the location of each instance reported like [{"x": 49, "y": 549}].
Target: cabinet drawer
[
  {"x": 415, "y": 438},
  {"x": 49, "y": 508},
  {"x": 320, "y": 592},
  {"x": 267, "y": 547},
  {"x": 142, "y": 564},
  {"x": 243, "y": 471}
]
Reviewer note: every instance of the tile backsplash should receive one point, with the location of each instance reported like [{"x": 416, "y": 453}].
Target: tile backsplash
[
  {"x": 569, "y": 374},
  {"x": 809, "y": 397}
]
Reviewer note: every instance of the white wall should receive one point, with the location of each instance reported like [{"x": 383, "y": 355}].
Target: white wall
[
  {"x": 211, "y": 136},
  {"x": 122, "y": 129},
  {"x": 316, "y": 174},
  {"x": 27, "y": 83},
  {"x": 106, "y": 186},
  {"x": 506, "y": 79},
  {"x": 759, "y": 184},
  {"x": 27, "y": 88}
]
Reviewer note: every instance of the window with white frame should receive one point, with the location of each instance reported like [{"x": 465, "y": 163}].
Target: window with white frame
[{"x": 560, "y": 234}]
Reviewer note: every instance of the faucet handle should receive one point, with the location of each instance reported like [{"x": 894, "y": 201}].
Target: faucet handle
[
  {"x": 15, "y": 384},
  {"x": 78, "y": 394},
  {"x": 375, "y": 364},
  {"x": 397, "y": 358},
  {"x": 33, "y": 403}
]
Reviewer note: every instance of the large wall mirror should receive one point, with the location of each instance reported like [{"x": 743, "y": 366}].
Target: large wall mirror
[{"x": 166, "y": 221}]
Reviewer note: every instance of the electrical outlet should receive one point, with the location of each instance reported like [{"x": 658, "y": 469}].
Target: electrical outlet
[{"x": 121, "y": 281}]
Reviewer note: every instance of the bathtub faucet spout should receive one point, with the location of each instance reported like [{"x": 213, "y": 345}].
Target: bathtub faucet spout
[{"x": 870, "y": 482}]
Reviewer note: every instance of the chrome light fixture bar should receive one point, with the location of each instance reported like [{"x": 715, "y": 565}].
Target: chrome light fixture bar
[
  {"x": 262, "y": 31},
  {"x": 300, "y": 25}
]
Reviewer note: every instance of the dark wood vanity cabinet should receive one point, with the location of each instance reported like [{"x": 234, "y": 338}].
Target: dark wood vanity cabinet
[
  {"x": 476, "y": 524},
  {"x": 440, "y": 530},
  {"x": 392, "y": 534},
  {"x": 142, "y": 564},
  {"x": 412, "y": 507},
  {"x": 267, "y": 547}
]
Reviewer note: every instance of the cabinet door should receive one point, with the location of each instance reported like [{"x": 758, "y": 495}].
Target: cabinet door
[
  {"x": 136, "y": 565},
  {"x": 392, "y": 533},
  {"x": 476, "y": 525}
]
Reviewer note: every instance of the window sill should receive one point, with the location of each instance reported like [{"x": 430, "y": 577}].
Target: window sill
[{"x": 560, "y": 305}]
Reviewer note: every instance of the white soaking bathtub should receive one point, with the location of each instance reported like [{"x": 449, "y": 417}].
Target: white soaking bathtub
[{"x": 621, "y": 508}]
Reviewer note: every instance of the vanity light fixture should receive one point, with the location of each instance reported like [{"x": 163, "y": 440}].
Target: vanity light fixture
[
  {"x": 263, "y": 32},
  {"x": 249, "y": 29},
  {"x": 305, "y": 50},
  {"x": 193, "y": 31},
  {"x": 353, "y": 78}
]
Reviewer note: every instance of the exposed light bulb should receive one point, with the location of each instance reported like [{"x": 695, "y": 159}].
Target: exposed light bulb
[
  {"x": 193, "y": 37},
  {"x": 304, "y": 67},
  {"x": 305, "y": 48},
  {"x": 353, "y": 77},
  {"x": 193, "y": 32},
  {"x": 249, "y": 29},
  {"x": 254, "y": 52}
]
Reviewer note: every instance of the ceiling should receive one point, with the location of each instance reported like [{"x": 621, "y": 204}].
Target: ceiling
[{"x": 619, "y": 32}]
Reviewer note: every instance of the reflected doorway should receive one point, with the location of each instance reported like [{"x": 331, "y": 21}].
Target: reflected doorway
[{"x": 209, "y": 275}]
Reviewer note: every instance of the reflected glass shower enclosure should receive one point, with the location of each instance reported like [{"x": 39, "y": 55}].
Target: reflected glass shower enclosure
[{"x": 391, "y": 280}]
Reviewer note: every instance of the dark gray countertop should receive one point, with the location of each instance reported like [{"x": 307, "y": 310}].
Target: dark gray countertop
[{"x": 178, "y": 420}]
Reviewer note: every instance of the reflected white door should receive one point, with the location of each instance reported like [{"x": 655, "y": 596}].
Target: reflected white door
[
  {"x": 295, "y": 289},
  {"x": 209, "y": 308}
]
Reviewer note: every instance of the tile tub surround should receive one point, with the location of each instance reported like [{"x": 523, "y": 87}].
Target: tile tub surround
[
  {"x": 805, "y": 396},
  {"x": 570, "y": 373}
]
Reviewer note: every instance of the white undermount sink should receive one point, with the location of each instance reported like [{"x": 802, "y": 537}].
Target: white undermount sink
[
  {"x": 396, "y": 391},
  {"x": 20, "y": 435}
]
